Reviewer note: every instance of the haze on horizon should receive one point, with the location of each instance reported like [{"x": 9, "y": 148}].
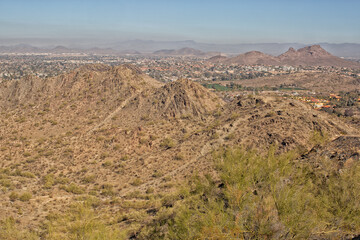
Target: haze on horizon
[{"x": 228, "y": 21}]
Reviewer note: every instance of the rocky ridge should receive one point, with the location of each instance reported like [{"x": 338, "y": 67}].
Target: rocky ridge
[{"x": 313, "y": 55}]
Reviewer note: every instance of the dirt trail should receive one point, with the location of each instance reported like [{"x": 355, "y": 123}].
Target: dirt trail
[{"x": 111, "y": 115}]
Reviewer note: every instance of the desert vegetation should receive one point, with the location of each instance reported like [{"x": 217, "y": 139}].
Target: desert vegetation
[
  {"x": 253, "y": 195},
  {"x": 139, "y": 159},
  {"x": 265, "y": 196}
]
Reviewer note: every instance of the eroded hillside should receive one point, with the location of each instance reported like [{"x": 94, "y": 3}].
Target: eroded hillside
[{"x": 123, "y": 143}]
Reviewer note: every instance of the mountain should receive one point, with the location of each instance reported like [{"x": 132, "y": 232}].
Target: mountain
[
  {"x": 313, "y": 55},
  {"x": 23, "y": 48},
  {"x": 20, "y": 48},
  {"x": 217, "y": 59},
  {"x": 347, "y": 50},
  {"x": 148, "y": 46},
  {"x": 108, "y": 150},
  {"x": 179, "y": 52},
  {"x": 252, "y": 58},
  {"x": 61, "y": 49},
  {"x": 130, "y": 52}
]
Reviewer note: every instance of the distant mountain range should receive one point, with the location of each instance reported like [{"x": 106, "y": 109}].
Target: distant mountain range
[
  {"x": 24, "y": 48},
  {"x": 307, "y": 56},
  {"x": 184, "y": 52},
  {"x": 347, "y": 50}
]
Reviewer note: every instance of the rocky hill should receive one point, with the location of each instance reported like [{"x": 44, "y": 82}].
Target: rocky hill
[
  {"x": 110, "y": 144},
  {"x": 217, "y": 59},
  {"x": 253, "y": 58},
  {"x": 313, "y": 55}
]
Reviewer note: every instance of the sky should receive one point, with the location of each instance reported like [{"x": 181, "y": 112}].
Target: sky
[{"x": 209, "y": 21}]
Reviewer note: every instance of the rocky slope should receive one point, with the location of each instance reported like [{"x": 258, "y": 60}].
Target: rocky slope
[{"x": 126, "y": 140}]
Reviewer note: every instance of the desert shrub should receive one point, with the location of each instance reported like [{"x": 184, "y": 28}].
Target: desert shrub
[
  {"x": 143, "y": 141},
  {"x": 89, "y": 178},
  {"x": 13, "y": 196},
  {"x": 61, "y": 180},
  {"x": 124, "y": 158},
  {"x": 25, "y": 197},
  {"x": 157, "y": 174},
  {"x": 10, "y": 230},
  {"x": 81, "y": 221},
  {"x": 167, "y": 143},
  {"x": 27, "y": 174},
  {"x": 186, "y": 116},
  {"x": 107, "y": 163},
  {"x": 217, "y": 113},
  {"x": 48, "y": 180},
  {"x": 270, "y": 114},
  {"x": 215, "y": 136},
  {"x": 265, "y": 197},
  {"x": 234, "y": 116},
  {"x": 73, "y": 188},
  {"x": 145, "y": 117},
  {"x": 319, "y": 138},
  {"x": 104, "y": 155},
  {"x": 136, "y": 182},
  {"x": 150, "y": 190},
  {"x": 179, "y": 156},
  {"x": 6, "y": 183},
  {"x": 107, "y": 190},
  {"x": 231, "y": 136},
  {"x": 26, "y": 154},
  {"x": 116, "y": 147}
]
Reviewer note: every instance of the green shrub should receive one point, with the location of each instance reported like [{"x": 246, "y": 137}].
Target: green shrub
[
  {"x": 81, "y": 221},
  {"x": 264, "y": 197},
  {"x": 107, "y": 163},
  {"x": 10, "y": 230},
  {"x": 26, "y": 154},
  {"x": 107, "y": 190},
  {"x": 89, "y": 179},
  {"x": 73, "y": 188},
  {"x": 179, "y": 157},
  {"x": 25, "y": 197},
  {"x": 48, "y": 180},
  {"x": 136, "y": 182},
  {"x": 319, "y": 138},
  {"x": 6, "y": 183},
  {"x": 28, "y": 174},
  {"x": 13, "y": 196},
  {"x": 167, "y": 143}
]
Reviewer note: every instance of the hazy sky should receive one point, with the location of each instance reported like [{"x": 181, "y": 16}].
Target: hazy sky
[{"x": 222, "y": 21}]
